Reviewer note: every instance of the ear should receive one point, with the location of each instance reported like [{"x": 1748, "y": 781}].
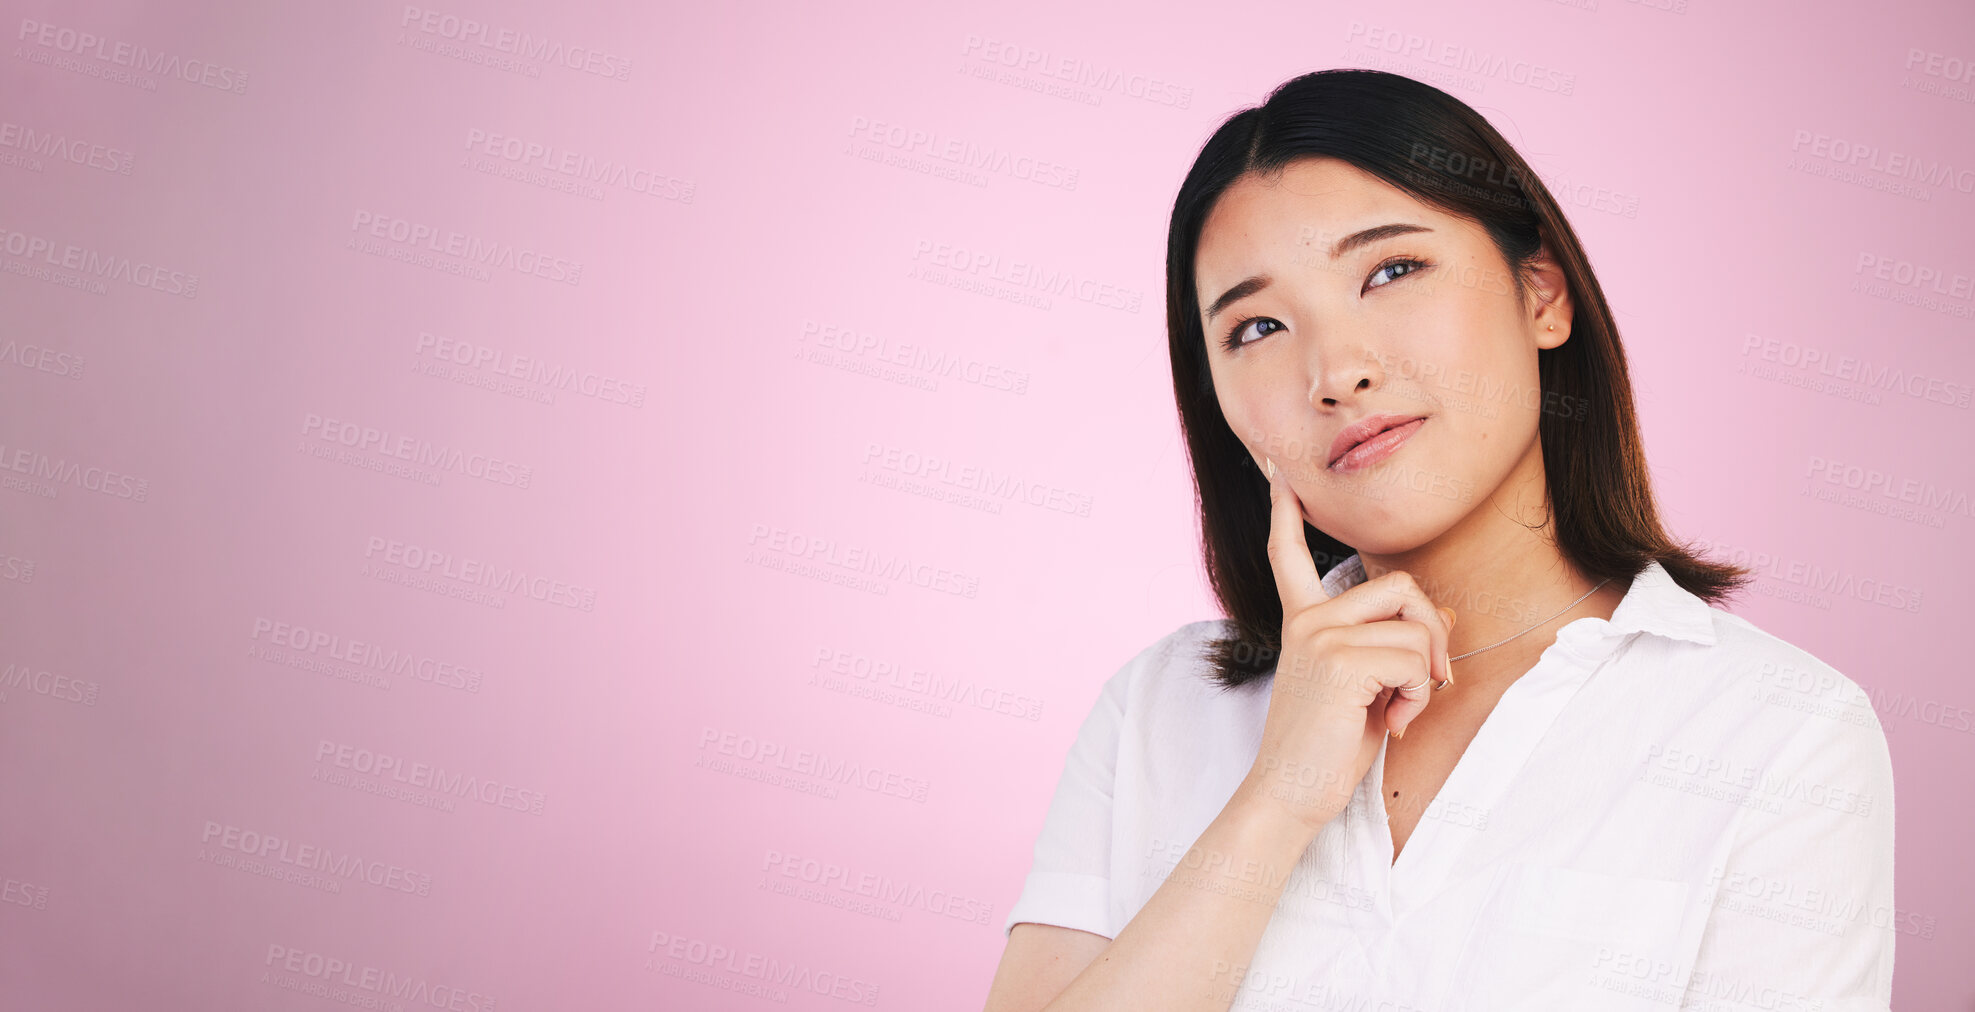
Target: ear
[{"x": 1553, "y": 307}]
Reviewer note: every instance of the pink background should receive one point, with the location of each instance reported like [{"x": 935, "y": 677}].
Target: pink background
[{"x": 715, "y": 434}]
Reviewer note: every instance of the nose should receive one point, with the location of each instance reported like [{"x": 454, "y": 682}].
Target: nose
[{"x": 1342, "y": 371}]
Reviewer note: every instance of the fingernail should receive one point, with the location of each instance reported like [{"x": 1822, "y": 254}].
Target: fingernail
[
  {"x": 1400, "y": 733},
  {"x": 1270, "y": 461}
]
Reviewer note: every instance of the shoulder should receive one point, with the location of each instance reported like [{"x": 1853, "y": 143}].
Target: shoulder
[
  {"x": 1172, "y": 676},
  {"x": 1745, "y": 654},
  {"x": 1740, "y": 656},
  {"x": 1180, "y": 656},
  {"x": 1173, "y": 662},
  {"x": 1145, "y": 682},
  {"x": 1186, "y": 741},
  {"x": 1753, "y": 685}
]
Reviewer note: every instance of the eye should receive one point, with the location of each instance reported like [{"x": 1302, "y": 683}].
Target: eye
[
  {"x": 1396, "y": 268},
  {"x": 1411, "y": 266},
  {"x": 1233, "y": 340}
]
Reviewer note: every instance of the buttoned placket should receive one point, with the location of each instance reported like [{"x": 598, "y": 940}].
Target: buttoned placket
[
  {"x": 1487, "y": 767},
  {"x": 1490, "y": 763}
]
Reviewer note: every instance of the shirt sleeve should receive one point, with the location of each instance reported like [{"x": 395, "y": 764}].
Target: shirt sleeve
[
  {"x": 1803, "y": 914},
  {"x": 1069, "y": 881}
]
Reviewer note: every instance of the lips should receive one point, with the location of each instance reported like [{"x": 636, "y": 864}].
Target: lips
[{"x": 1364, "y": 430}]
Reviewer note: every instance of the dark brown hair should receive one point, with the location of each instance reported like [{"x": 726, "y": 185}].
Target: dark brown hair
[{"x": 1433, "y": 146}]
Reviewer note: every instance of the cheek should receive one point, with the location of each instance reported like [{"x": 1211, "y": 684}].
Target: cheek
[
  {"x": 1471, "y": 366},
  {"x": 1248, "y": 424},
  {"x": 1265, "y": 421},
  {"x": 1238, "y": 405}
]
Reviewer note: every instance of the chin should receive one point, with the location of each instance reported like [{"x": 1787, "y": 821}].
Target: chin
[
  {"x": 1386, "y": 542},
  {"x": 1400, "y": 523},
  {"x": 1369, "y": 533}
]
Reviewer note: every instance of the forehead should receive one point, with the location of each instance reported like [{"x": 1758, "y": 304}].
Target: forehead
[{"x": 1257, "y": 223}]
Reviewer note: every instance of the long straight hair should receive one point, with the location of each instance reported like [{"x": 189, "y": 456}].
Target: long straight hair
[{"x": 1433, "y": 146}]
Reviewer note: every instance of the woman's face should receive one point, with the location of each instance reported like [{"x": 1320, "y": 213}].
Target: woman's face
[{"x": 1416, "y": 320}]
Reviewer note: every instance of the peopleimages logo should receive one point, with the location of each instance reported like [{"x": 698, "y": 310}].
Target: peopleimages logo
[
  {"x": 62, "y": 148},
  {"x": 554, "y": 377},
  {"x": 1903, "y": 164},
  {"x": 39, "y": 467},
  {"x": 92, "y": 46},
  {"x": 417, "y": 451},
  {"x": 334, "y": 972},
  {"x": 48, "y": 683},
  {"x": 430, "y": 240},
  {"x": 467, "y": 31},
  {"x": 428, "y": 777},
  {"x": 67, "y": 365},
  {"x": 97, "y": 264},
  {"x": 479, "y": 573},
  {"x": 757, "y": 968},
  {"x": 251, "y": 845},
  {"x": 577, "y": 165},
  {"x": 321, "y": 645}
]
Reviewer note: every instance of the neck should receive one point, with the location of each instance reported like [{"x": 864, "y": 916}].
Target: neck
[{"x": 1501, "y": 573}]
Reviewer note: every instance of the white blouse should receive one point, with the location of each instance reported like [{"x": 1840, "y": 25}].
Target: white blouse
[{"x": 1671, "y": 809}]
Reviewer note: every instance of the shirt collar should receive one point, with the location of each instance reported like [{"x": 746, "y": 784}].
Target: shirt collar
[{"x": 1654, "y": 604}]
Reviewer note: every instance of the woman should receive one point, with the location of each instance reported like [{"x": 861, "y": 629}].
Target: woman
[{"x": 1506, "y": 753}]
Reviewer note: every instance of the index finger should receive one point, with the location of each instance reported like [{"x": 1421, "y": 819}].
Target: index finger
[
  {"x": 1297, "y": 581},
  {"x": 1396, "y": 595}
]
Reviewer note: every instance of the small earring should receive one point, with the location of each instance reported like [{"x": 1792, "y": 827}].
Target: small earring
[{"x": 1553, "y": 326}]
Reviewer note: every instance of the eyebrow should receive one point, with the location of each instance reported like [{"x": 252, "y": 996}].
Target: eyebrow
[{"x": 1345, "y": 245}]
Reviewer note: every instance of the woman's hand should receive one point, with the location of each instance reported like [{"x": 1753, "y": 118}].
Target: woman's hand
[{"x": 1351, "y": 668}]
